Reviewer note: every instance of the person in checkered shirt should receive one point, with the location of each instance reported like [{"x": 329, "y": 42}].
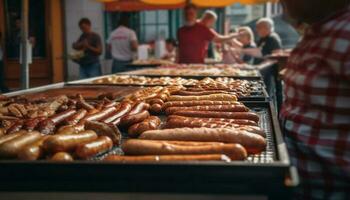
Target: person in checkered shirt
[{"x": 316, "y": 111}]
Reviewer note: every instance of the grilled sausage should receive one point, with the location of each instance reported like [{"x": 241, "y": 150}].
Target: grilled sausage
[
  {"x": 88, "y": 150},
  {"x": 155, "y": 101},
  {"x": 103, "y": 129},
  {"x": 252, "y": 142},
  {"x": 102, "y": 114},
  {"x": 138, "y": 108},
  {"x": 200, "y": 93},
  {"x": 129, "y": 120},
  {"x": 31, "y": 124},
  {"x": 33, "y": 151},
  {"x": 214, "y": 120},
  {"x": 212, "y": 97},
  {"x": 48, "y": 126},
  {"x": 198, "y": 103},
  {"x": 15, "y": 127},
  {"x": 11, "y": 148},
  {"x": 2, "y": 131},
  {"x": 156, "y": 108},
  {"x": 212, "y": 114},
  {"x": 148, "y": 147},
  {"x": 68, "y": 142},
  {"x": 166, "y": 158},
  {"x": 151, "y": 123},
  {"x": 219, "y": 108},
  {"x": 11, "y": 136},
  {"x": 71, "y": 129},
  {"x": 125, "y": 107},
  {"x": 74, "y": 119},
  {"x": 62, "y": 156}
]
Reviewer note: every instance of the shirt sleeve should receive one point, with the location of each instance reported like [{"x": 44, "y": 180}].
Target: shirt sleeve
[
  {"x": 133, "y": 36},
  {"x": 208, "y": 33}
]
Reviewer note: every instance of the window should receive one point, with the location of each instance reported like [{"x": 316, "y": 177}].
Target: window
[
  {"x": 154, "y": 24},
  {"x": 37, "y": 31}
]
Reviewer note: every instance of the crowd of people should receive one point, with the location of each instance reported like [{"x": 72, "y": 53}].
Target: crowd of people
[{"x": 192, "y": 46}]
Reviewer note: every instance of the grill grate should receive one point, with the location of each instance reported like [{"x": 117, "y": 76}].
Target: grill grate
[{"x": 269, "y": 155}]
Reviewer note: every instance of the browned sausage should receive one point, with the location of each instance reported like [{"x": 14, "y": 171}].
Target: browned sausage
[
  {"x": 212, "y": 97},
  {"x": 148, "y": 147},
  {"x": 88, "y": 150},
  {"x": 156, "y": 108},
  {"x": 253, "y": 143},
  {"x": 74, "y": 119},
  {"x": 212, "y": 114},
  {"x": 33, "y": 151},
  {"x": 102, "y": 114},
  {"x": 200, "y": 93},
  {"x": 68, "y": 142},
  {"x": 215, "y": 120},
  {"x": 129, "y": 120},
  {"x": 198, "y": 103},
  {"x": 123, "y": 110},
  {"x": 138, "y": 108},
  {"x": 2, "y": 131},
  {"x": 103, "y": 129},
  {"x": 83, "y": 104},
  {"x": 166, "y": 158},
  {"x": 62, "y": 157},
  {"x": 155, "y": 101},
  {"x": 31, "y": 124},
  {"x": 70, "y": 129},
  {"x": 151, "y": 123},
  {"x": 221, "y": 108},
  {"x": 11, "y": 148},
  {"x": 48, "y": 126},
  {"x": 11, "y": 136},
  {"x": 15, "y": 127}
]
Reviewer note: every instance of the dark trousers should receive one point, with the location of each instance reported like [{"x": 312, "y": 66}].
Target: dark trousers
[
  {"x": 3, "y": 88},
  {"x": 90, "y": 70},
  {"x": 119, "y": 66},
  {"x": 273, "y": 86}
]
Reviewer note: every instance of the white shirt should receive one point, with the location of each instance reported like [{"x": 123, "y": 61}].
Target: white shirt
[{"x": 120, "y": 41}]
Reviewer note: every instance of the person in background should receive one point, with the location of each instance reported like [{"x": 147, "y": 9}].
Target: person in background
[
  {"x": 170, "y": 46},
  {"x": 123, "y": 44},
  {"x": 316, "y": 111},
  {"x": 89, "y": 42},
  {"x": 231, "y": 51},
  {"x": 3, "y": 88},
  {"x": 269, "y": 39},
  {"x": 194, "y": 37},
  {"x": 246, "y": 38}
]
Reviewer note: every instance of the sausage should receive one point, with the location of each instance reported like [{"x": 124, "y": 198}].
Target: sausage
[
  {"x": 62, "y": 156},
  {"x": 166, "y": 158},
  {"x": 48, "y": 126},
  {"x": 156, "y": 108},
  {"x": 102, "y": 144},
  {"x": 200, "y": 93},
  {"x": 212, "y": 97},
  {"x": 221, "y": 108},
  {"x": 155, "y": 101},
  {"x": 129, "y": 120},
  {"x": 33, "y": 151},
  {"x": 71, "y": 129},
  {"x": 189, "y": 123},
  {"x": 212, "y": 114},
  {"x": 11, "y": 148},
  {"x": 215, "y": 120},
  {"x": 198, "y": 103},
  {"x": 74, "y": 119},
  {"x": 139, "y": 107},
  {"x": 83, "y": 104},
  {"x": 111, "y": 104},
  {"x": 148, "y": 147},
  {"x": 103, "y": 129},
  {"x": 31, "y": 124},
  {"x": 11, "y": 136},
  {"x": 151, "y": 123},
  {"x": 253, "y": 143},
  {"x": 123, "y": 110},
  {"x": 68, "y": 142},
  {"x": 102, "y": 114},
  {"x": 15, "y": 127},
  {"x": 2, "y": 131}
]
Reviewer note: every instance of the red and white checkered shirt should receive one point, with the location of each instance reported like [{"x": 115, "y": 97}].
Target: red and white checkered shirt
[{"x": 316, "y": 111}]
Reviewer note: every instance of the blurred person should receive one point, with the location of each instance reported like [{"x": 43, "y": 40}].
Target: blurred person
[
  {"x": 90, "y": 43},
  {"x": 247, "y": 39},
  {"x": 3, "y": 88},
  {"x": 194, "y": 37},
  {"x": 170, "y": 46},
  {"x": 316, "y": 110},
  {"x": 123, "y": 44},
  {"x": 231, "y": 51},
  {"x": 269, "y": 40}
]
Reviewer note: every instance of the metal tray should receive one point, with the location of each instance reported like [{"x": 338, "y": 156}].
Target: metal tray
[{"x": 259, "y": 175}]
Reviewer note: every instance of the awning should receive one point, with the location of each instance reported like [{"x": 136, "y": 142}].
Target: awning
[{"x": 137, "y": 5}]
